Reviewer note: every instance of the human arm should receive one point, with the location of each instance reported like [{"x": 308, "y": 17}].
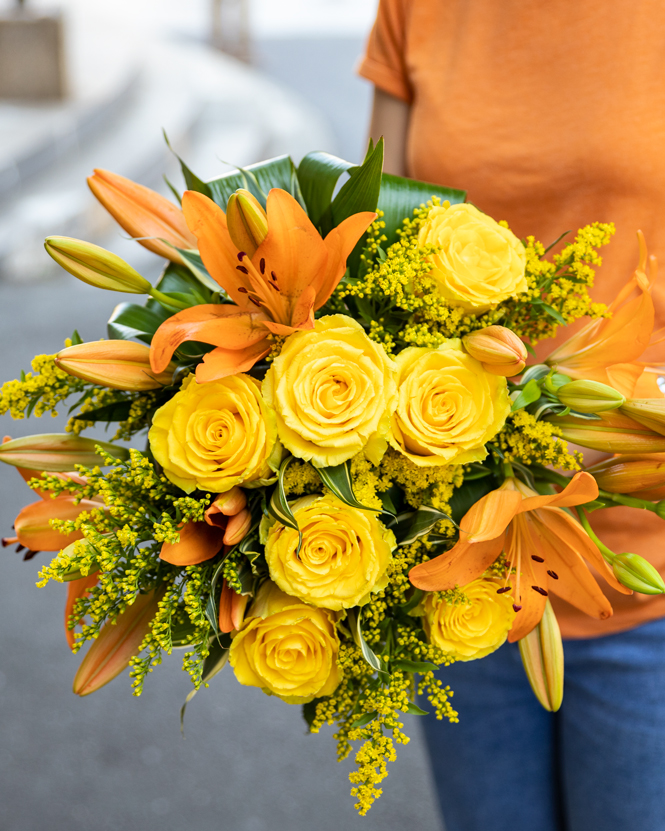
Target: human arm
[{"x": 390, "y": 119}]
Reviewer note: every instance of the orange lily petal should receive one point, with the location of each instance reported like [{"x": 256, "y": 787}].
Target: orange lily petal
[
  {"x": 75, "y": 590},
  {"x": 519, "y": 539},
  {"x": 489, "y": 517},
  {"x": 117, "y": 644},
  {"x": 143, "y": 213},
  {"x": 33, "y": 528},
  {"x": 340, "y": 242},
  {"x": 225, "y": 505},
  {"x": 562, "y": 553},
  {"x": 207, "y": 221},
  {"x": 457, "y": 567},
  {"x": 571, "y": 534},
  {"x": 222, "y": 362},
  {"x": 198, "y": 542},
  {"x": 582, "y": 488},
  {"x": 293, "y": 249},
  {"x": 225, "y": 326}
]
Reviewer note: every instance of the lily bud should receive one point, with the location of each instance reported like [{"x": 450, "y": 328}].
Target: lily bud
[
  {"x": 117, "y": 364},
  {"x": 226, "y": 505},
  {"x": 57, "y": 452},
  {"x": 589, "y": 396},
  {"x": 499, "y": 350},
  {"x": 117, "y": 644},
  {"x": 231, "y": 608},
  {"x": 33, "y": 524},
  {"x": 637, "y": 574},
  {"x": 630, "y": 473},
  {"x": 237, "y": 526},
  {"x": 96, "y": 266},
  {"x": 143, "y": 213},
  {"x": 199, "y": 542},
  {"x": 75, "y": 590},
  {"x": 648, "y": 411},
  {"x": 613, "y": 432},
  {"x": 542, "y": 657},
  {"x": 246, "y": 221}
]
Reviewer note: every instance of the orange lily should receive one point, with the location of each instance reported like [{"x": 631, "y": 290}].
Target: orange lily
[
  {"x": 545, "y": 545},
  {"x": 118, "y": 642},
  {"x": 143, "y": 213},
  {"x": 226, "y": 521},
  {"x": 75, "y": 590},
  {"x": 276, "y": 291},
  {"x": 607, "y": 349}
]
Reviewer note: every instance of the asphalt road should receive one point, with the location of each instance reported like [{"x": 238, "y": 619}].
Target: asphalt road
[{"x": 117, "y": 762}]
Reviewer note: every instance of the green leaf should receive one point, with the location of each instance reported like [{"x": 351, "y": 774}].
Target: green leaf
[
  {"x": 309, "y": 711},
  {"x": 413, "y": 601},
  {"x": 416, "y": 524},
  {"x": 181, "y": 633},
  {"x": 535, "y": 372},
  {"x": 551, "y": 312},
  {"x": 526, "y": 396},
  {"x": 258, "y": 179},
  {"x": 361, "y": 192},
  {"x": 414, "y": 666},
  {"x": 399, "y": 197},
  {"x": 279, "y": 504},
  {"x": 199, "y": 271},
  {"x": 368, "y": 653},
  {"x": 76, "y": 338},
  {"x": 318, "y": 173},
  {"x": 191, "y": 180},
  {"x": 415, "y": 710},
  {"x": 366, "y": 718},
  {"x": 338, "y": 480},
  {"x": 132, "y": 321},
  {"x": 117, "y": 411}
]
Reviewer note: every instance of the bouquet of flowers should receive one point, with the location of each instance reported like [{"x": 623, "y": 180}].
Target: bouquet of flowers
[{"x": 351, "y": 477}]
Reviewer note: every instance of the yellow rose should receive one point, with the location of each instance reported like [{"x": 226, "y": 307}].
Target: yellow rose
[
  {"x": 469, "y": 630},
  {"x": 333, "y": 390},
  {"x": 214, "y": 436},
  {"x": 344, "y": 555},
  {"x": 479, "y": 262},
  {"x": 286, "y": 648},
  {"x": 448, "y": 406}
]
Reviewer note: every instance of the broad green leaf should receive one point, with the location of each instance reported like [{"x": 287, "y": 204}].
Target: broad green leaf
[
  {"x": 76, "y": 338},
  {"x": 399, "y": 197},
  {"x": 535, "y": 372},
  {"x": 191, "y": 180},
  {"x": 131, "y": 321},
  {"x": 415, "y": 710},
  {"x": 117, "y": 411},
  {"x": 414, "y": 666},
  {"x": 366, "y": 718},
  {"x": 279, "y": 504},
  {"x": 416, "y": 524},
  {"x": 191, "y": 278},
  {"x": 413, "y": 601},
  {"x": 258, "y": 179},
  {"x": 318, "y": 174},
  {"x": 338, "y": 480},
  {"x": 526, "y": 396},
  {"x": 361, "y": 192}
]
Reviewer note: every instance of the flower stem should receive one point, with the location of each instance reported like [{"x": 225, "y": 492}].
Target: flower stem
[
  {"x": 607, "y": 553},
  {"x": 169, "y": 302}
]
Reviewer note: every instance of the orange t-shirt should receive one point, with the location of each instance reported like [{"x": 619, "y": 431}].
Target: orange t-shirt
[{"x": 551, "y": 116}]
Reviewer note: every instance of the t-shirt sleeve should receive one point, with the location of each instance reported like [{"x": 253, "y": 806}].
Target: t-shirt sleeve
[{"x": 384, "y": 62}]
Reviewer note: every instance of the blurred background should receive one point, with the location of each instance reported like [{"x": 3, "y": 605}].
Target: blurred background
[{"x": 92, "y": 83}]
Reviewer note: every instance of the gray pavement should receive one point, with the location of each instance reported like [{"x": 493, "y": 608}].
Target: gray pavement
[{"x": 113, "y": 761}]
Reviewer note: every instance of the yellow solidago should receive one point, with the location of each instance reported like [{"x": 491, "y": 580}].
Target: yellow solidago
[
  {"x": 39, "y": 391},
  {"x": 523, "y": 439}
]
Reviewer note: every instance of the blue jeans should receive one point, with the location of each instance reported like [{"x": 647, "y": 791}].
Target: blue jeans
[{"x": 596, "y": 765}]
